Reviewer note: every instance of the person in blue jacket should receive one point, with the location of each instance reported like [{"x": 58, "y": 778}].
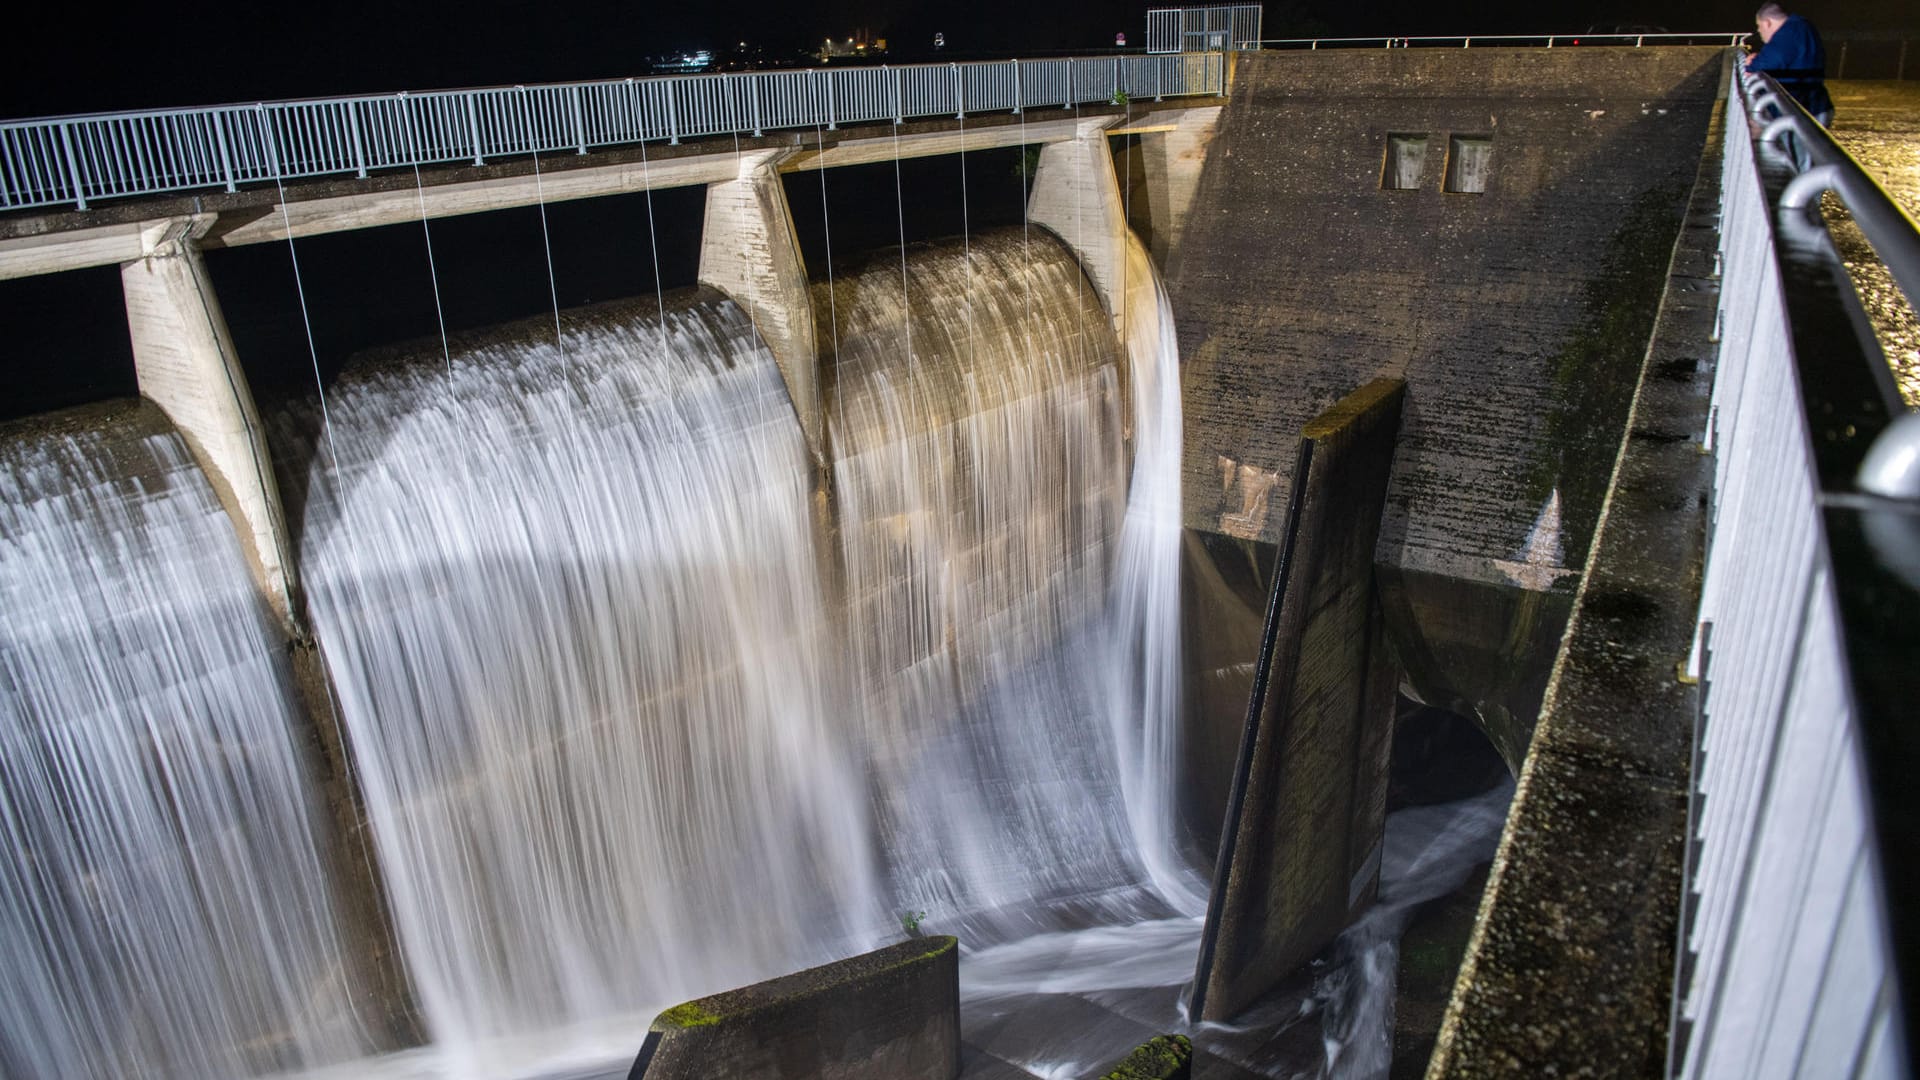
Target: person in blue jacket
[{"x": 1791, "y": 52}]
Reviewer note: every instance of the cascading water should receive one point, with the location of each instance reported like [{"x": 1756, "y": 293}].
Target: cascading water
[
  {"x": 165, "y": 902},
  {"x": 568, "y": 596},
  {"x": 979, "y": 478}
]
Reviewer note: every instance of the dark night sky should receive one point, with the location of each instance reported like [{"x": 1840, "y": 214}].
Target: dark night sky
[{"x": 59, "y": 62}]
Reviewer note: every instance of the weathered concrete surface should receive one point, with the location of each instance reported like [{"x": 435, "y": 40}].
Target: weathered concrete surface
[
  {"x": 1300, "y": 850},
  {"x": 1173, "y": 152},
  {"x": 1517, "y": 317},
  {"x": 1224, "y": 586},
  {"x": 1571, "y": 965},
  {"x": 749, "y": 251},
  {"x": 185, "y": 362},
  {"x": 1077, "y": 197},
  {"x": 894, "y": 1012}
]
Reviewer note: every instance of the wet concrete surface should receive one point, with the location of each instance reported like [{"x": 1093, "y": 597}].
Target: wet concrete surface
[{"x": 1879, "y": 124}]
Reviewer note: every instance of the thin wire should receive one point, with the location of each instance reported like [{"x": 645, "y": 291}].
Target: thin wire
[
  {"x": 433, "y": 271},
  {"x": 1028, "y": 172},
  {"x": 653, "y": 241},
  {"x": 546, "y": 239},
  {"x": 900, "y": 207},
  {"x": 966, "y": 239},
  {"x": 826, "y": 225}
]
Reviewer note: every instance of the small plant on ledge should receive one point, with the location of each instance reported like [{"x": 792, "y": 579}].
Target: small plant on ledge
[{"x": 910, "y": 921}]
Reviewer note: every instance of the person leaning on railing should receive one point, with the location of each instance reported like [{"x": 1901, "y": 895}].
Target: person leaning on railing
[{"x": 1791, "y": 52}]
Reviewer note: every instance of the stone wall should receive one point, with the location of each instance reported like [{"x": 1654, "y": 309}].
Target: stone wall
[{"x": 1517, "y": 316}]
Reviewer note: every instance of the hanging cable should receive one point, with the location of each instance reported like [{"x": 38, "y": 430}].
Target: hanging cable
[
  {"x": 966, "y": 240},
  {"x": 900, "y": 208},
  {"x": 433, "y": 270},
  {"x": 546, "y": 240},
  {"x": 826, "y": 226},
  {"x": 653, "y": 241}
]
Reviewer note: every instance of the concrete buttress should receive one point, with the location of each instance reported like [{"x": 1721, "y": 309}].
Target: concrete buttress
[
  {"x": 1077, "y": 197},
  {"x": 749, "y": 251},
  {"x": 185, "y": 362},
  {"x": 1173, "y": 159}
]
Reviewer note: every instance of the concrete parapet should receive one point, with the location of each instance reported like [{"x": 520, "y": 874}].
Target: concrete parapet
[
  {"x": 1570, "y": 969},
  {"x": 750, "y": 252},
  {"x": 1163, "y": 1057},
  {"x": 1076, "y": 196},
  {"x": 1300, "y": 851},
  {"x": 894, "y": 1012},
  {"x": 185, "y": 362}
]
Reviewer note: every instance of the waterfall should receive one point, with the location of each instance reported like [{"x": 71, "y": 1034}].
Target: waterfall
[
  {"x": 980, "y": 482},
  {"x": 165, "y": 904},
  {"x": 568, "y": 594}
]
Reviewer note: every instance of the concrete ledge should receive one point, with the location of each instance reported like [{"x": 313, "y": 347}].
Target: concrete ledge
[
  {"x": 1163, "y": 1057},
  {"x": 1300, "y": 851},
  {"x": 1570, "y": 969},
  {"x": 894, "y": 1012}
]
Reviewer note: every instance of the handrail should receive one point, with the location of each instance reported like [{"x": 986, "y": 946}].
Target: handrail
[
  {"x": 1467, "y": 41},
  {"x": 1800, "y": 934},
  {"x": 52, "y": 161},
  {"x": 1824, "y": 165}
]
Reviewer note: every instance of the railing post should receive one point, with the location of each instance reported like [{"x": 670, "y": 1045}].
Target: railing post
[
  {"x": 359, "y": 147},
  {"x": 473, "y": 126},
  {"x": 833, "y": 103},
  {"x": 73, "y": 168},
  {"x": 1068, "y": 103},
  {"x": 959, "y": 93},
  {"x": 899, "y": 92},
  {"x": 673, "y": 113},
  {"x": 1019, "y": 96},
  {"x": 220, "y": 139},
  {"x": 1116, "y": 77},
  {"x": 753, "y": 95},
  {"x": 579, "y": 120}
]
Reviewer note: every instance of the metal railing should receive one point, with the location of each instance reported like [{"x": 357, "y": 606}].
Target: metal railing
[
  {"x": 79, "y": 159},
  {"x": 1791, "y": 955},
  {"x": 1469, "y": 41},
  {"x": 1219, "y": 28}
]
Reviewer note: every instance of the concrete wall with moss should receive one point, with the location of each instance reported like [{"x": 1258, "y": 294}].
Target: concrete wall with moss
[
  {"x": 893, "y": 1012},
  {"x": 1517, "y": 316}
]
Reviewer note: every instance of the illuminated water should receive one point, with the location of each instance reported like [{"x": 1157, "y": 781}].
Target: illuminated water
[{"x": 165, "y": 899}]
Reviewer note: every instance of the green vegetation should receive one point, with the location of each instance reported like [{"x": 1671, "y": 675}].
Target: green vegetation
[
  {"x": 1163, "y": 1057},
  {"x": 688, "y": 1015},
  {"x": 910, "y": 921}
]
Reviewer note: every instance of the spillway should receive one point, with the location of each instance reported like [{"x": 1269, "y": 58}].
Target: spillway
[
  {"x": 166, "y": 903},
  {"x": 640, "y": 699}
]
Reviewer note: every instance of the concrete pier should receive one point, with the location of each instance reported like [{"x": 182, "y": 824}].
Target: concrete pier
[
  {"x": 1076, "y": 195},
  {"x": 749, "y": 251},
  {"x": 1300, "y": 851},
  {"x": 186, "y": 363}
]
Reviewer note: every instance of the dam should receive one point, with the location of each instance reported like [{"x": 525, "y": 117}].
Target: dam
[{"x": 1073, "y": 568}]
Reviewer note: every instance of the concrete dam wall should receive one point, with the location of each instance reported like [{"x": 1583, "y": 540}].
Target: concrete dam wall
[{"x": 1492, "y": 226}]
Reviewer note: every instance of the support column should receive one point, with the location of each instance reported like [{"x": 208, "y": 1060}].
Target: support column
[
  {"x": 1300, "y": 850},
  {"x": 750, "y": 252},
  {"x": 1077, "y": 197},
  {"x": 185, "y": 361},
  {"x": 1173, "y": 159}
]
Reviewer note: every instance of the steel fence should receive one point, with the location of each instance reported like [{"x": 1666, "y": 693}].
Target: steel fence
[
  {"x": 1787, "y": 962},
  {"x": 1217, "y": 28},
  {"x": 81, "y": 159}
]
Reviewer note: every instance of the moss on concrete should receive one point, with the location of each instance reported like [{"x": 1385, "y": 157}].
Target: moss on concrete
[
  {"x": 686, "y": 1015},
  {"x": 1163, "y": 1057}
]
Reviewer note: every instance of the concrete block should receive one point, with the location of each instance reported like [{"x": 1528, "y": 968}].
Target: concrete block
[
  {"x": 185, "y": 362},
  {"x": 894, "y": 1012},
  {"x": 1300, "y": 850},
  {"x": 750, "y": 252}
]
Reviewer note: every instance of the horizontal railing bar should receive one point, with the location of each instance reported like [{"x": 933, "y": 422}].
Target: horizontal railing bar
[
  {"x": 1716, "y": 36},
  {"x": 72, "y": 159}
]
